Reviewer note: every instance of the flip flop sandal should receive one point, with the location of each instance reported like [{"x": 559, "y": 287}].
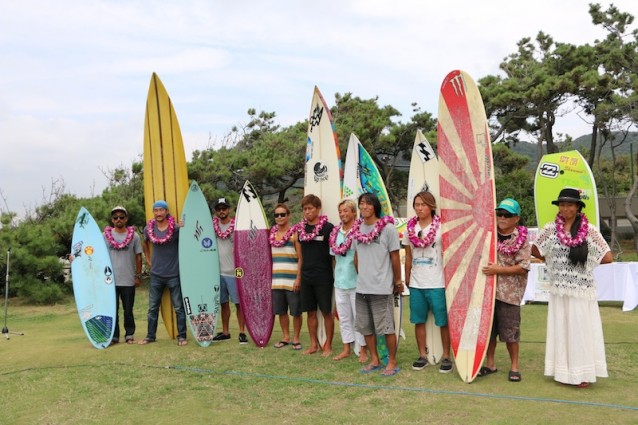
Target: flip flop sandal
[
  {"x": 484, "y": 371},
  {"x": 282, "y": 344},
  {"x": 296, "y": 346},
  {"x": 514, "y": 376},
  {"x": 371, "y": 368}
]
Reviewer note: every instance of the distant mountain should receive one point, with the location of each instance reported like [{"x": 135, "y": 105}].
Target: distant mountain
[{"x": 582, "y": 144}]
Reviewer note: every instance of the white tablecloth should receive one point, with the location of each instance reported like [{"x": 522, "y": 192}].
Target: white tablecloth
[{"x": 614, "y": 282}]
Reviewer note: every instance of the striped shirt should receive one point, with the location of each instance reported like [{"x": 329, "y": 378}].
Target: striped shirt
[{"x": 284, "y": 265}]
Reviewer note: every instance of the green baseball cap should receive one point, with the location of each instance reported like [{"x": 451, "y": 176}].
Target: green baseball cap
[{"x": 510, "y": 205}]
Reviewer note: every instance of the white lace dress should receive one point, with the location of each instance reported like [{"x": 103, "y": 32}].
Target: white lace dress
[{"x": 575, "y": 348}]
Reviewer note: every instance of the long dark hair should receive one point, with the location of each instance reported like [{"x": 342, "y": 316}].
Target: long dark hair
[
  {"x": 578, "y": 254},
  {"x": 372, "y": 199}
]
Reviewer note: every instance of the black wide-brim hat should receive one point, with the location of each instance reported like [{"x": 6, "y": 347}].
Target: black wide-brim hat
[{"x": 569, "y": 195}]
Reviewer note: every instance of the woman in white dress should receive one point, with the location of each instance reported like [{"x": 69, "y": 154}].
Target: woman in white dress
[{"x": 572, "y": 248}]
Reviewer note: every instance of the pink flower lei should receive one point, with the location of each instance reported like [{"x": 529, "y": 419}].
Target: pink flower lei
[
  {"x": 130, "y": 233},
  {"x": 345, "y": 245},
  {"x": 305, "y": 237},
  {"x": 369, "y": 237},
  {"x": 429, "y": 237},
  {"x": 218, "y": 230},
  {"x": 512, "y": 248},
  {"x": 272, "y": 238},
  {"x": 169, "y": 231},
  {"x": 566, "y": 239}
]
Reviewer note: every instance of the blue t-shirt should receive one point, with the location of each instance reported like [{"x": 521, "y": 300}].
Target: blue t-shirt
[{"x": 345, "y": 273}]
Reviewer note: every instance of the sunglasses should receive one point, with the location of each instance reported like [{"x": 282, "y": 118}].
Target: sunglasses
[
  {"x": 221, "y": 208},
  {"x": 118, "y": 217},
  {"x": 280, "y": 215},
  {"x": 504, "y": 215}
]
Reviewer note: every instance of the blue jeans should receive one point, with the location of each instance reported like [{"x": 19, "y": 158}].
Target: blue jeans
[{"x": 156, "y": 289}]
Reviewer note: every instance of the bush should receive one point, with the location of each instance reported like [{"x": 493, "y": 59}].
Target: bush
[{"x": 38, "y": 292}]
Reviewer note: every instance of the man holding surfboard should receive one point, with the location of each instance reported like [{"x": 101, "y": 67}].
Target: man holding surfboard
[
  {"x": 125, "y": 250},
  {"x": 162, "y": 232},
  {"x": 514, "y": 251},
  {"x": 378, "y": 264},
  {"x": 224, "y": 229}
]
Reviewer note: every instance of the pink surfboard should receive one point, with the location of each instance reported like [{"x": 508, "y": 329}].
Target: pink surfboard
[
  {"x": 253, "y": 265},
  {"x": 467, "y": 202}
]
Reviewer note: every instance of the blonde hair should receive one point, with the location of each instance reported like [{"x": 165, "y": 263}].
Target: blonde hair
[{"x": 349, "y": 203}]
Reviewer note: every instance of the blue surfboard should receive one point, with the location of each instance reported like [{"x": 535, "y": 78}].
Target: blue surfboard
[{"x": 93, "y": 281}]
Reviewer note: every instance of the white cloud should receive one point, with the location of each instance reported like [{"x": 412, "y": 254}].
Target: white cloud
[{"x": 75, "y": 74}]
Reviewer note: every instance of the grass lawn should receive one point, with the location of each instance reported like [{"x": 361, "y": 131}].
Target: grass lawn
[{"x": 52, "y": 375}]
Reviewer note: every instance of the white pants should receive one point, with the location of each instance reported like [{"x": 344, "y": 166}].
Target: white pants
[{"x": 345, "y": 302}]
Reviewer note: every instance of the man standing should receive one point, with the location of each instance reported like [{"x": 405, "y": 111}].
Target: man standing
[
  {"x": 224, "y": 229},
  {"x": 163, "y": 233},
  {"x": 514, "y": 251},
  {"x": 379, "y": 277},
  {"x": 317, "y": 279},
  {"x": 125, "y": 250}
]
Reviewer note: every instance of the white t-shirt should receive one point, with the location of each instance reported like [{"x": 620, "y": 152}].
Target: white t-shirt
[{"x": 427, "y": 262}]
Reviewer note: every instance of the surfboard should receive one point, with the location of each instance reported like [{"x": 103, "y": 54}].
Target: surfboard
[
  {"x": 424, "y": 176},
  {"x": 468, "y": 226},
  {"x": 253, "y": 265},
  {"x": 93, "y": 281},
  {"x": 323, "y": 173},
  {"x": 556, "y": 172},
  {"x": 199, "y": 267},
  {"x": 361, "y": 175},
  {"x": 165, "y": 175}
]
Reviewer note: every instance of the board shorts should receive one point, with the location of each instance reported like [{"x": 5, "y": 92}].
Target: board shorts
[
  {"x": 422, "y": 301},
  {"x": 316, "y": 296},
  {"x": 228, "y": 289},
  {"x": 374, "y": 314},
  {"x": 507, "y": 322},
  {"x": 284, "y": 300}
]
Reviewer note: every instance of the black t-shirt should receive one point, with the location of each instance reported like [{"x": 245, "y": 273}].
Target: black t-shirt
[{"x": 316, "y": 265}]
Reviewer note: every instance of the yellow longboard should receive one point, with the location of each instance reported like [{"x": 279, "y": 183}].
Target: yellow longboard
[{"x": 165, "y": 174}]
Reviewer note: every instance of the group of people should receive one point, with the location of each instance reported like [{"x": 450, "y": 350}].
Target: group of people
[{"x": 357, "y": 262}]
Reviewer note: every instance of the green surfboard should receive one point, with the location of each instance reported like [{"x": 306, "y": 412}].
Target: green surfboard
[{"x": 560, "y": 170}]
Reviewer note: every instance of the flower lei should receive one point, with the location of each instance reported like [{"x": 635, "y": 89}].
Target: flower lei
[
  {"x": 218, "y": 230},
  {"x": 305, "y": 237},
  {"x": 566, "y": 239},
  {"x": 272, "y": 238},
  {"x": 169, "y": 231},
  {"x": 345, "y": 245},
  {"x": 370, "y": 236},
  {"x": 429, "y": 237},
  {"x": 130, "y": 233},
  {"x": 511, "y": 249}
]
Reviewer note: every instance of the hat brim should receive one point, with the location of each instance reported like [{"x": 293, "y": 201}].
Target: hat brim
[{"x": 566, "y": 199}]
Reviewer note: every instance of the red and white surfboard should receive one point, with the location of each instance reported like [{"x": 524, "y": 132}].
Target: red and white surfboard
[{"x": 467, "y": 219}]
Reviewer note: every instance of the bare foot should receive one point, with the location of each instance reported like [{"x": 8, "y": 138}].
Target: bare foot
[
  {"x": 341, "y": 356},
  {"x": 363, "y": 358},
  {"x": 311, "y": 350},
  {"x": 326, "y": 352}
]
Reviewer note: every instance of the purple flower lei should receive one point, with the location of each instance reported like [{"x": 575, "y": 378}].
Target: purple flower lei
[
  {"x": 370, "y": 236},
  {"x": 272, "y": 238},
  {"x": 510, "y": 249},
  {"x": 429, "y": 237},
  {"x": 169, "y": 231},
  {"x": 305, "y": 237},
  {"x": 218, "y": 230},
  {"x": 130, "y": 233},
  {"x": 566, "y": 239},
  {"x": 345, "y": 245}
]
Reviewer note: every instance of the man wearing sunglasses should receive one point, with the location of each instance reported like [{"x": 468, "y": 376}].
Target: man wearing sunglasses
[
  {"x": 514, "y": 251},
  {"x": 225, "y": 229},
  {"x": 125, "y": 250}
]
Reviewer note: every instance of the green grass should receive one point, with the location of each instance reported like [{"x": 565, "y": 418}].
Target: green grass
[{"x": 52, "y": 375}]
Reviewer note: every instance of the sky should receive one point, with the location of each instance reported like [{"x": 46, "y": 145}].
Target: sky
[{"x": 74, "y": 74}]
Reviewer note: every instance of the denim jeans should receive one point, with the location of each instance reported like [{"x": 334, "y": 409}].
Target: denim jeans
[
  {"x": 127, "y": 295},
  {"x": 156, "y": 288}
]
